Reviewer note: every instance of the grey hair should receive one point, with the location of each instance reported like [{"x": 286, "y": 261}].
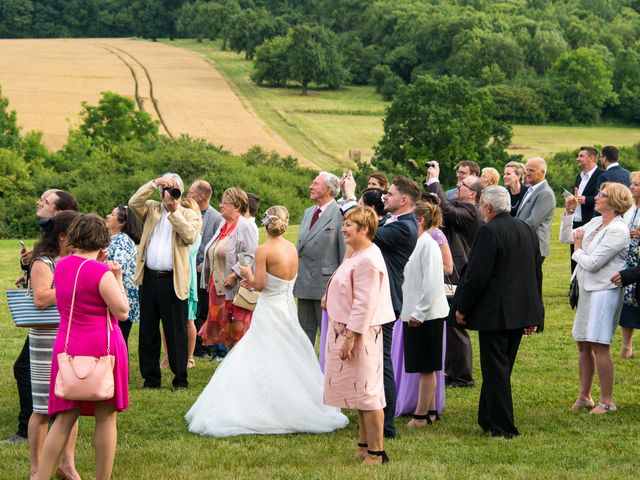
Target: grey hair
[
  {"x": 498, "y": 197},
  {"x": 177, "y": 179},
  {"x": 331, "y": 182}
]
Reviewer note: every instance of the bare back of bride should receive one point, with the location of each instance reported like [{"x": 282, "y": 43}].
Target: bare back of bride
[{"x": 270, "y": 382}]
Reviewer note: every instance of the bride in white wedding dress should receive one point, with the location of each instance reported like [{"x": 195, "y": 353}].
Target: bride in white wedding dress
[{"x": 270, "y": 382}]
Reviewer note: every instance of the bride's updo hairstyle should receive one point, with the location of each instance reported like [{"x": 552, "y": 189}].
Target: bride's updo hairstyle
[{"x": 276, "y": 220}]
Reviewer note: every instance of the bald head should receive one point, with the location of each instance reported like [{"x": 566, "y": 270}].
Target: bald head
[{"x": 535, "y": 170}]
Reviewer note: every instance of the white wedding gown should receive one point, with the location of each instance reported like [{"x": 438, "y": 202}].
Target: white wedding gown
[{"x": 270, "y": 381}]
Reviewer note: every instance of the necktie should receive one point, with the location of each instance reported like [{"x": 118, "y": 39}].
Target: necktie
[{"x": 315, "y": 217}]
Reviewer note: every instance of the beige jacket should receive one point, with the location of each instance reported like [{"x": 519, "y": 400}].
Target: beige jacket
[{"x": 186, "y": 229}]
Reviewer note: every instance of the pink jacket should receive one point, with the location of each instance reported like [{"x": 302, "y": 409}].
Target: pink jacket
[{"x": 358, "y": 292}]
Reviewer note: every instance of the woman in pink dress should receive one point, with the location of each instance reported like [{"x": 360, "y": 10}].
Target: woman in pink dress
[
  {"x": 99, "y": 287},
  {"x": 358, "y": 302}
]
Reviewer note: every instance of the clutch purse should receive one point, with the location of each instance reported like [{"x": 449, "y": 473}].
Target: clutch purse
[
  {"x": 449, "y": 290},
  {"x": 85, "y": 378},
  {"x": 574, "y": 293},
  {"x": 24, "y": 312},
  {"x": 245, "y": 298}
]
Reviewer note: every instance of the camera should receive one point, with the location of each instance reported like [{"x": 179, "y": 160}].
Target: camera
[
  {"x": 175, "y": 193},
  {"x": 429, "y": 164}
]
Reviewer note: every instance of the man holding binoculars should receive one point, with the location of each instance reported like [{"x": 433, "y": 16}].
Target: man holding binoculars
[{"x": 163, "y": 272}]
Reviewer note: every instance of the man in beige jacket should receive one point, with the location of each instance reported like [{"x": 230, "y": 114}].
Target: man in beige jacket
[{"x": 163, "y": 272}]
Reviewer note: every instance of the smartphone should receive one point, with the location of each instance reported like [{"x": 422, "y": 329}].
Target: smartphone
[
  {"x": 242, "y": 259},
  {"x": 23, "y": 247},
  {"x": 566, "y": 193}
]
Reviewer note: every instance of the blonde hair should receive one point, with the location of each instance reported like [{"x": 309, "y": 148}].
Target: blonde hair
[
  {"x": 276, "y": 220},
  {"x": 634, "y": 175},
  {"x": 430, "y": 213},
  {"x": 190, "y": 203},
  {"x": 518, "y": 168},
  {"x": 619, "y": 196},
  {"x": 493, "y": 176},
  {"x": 238, "y": 198},
  {"x": 363, "y": 217}
]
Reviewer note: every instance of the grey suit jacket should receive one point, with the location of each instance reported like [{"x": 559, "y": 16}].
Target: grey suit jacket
[
  {"x": 538, "y": 212},
  {"x": 211, "y": 220},
  {"x": 320, "y": 252}
]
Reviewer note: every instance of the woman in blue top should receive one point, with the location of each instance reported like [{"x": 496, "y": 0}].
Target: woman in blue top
[{"x": 125, "y": 230}]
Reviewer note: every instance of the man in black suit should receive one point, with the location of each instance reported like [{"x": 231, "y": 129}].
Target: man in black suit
[
  {"x": 461, "y": 221},
  {"x": 396, "y": 238},
  {"x": 585, "y": 188},
  {"x": 500, "y": 296},
  {"x": 613, "y": 171}
]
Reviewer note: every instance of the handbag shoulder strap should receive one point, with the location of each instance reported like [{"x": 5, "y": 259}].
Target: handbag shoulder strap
[{"x": 73, "y": 300}]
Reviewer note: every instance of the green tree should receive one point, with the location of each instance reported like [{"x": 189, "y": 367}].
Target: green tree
[
  {"x": 546, "y": 46},
  {"x": 313, "y": 57},
  {"x": 271, "y": 64},
  {"x": 251, "y": 27},
  {"x": 443, "y": 119},
  {"x": 114, "y": 120},
  {"x": 9, "y": 130},
  {"x": 15, "y": 18},
  {"x": 583, "y": 81}
]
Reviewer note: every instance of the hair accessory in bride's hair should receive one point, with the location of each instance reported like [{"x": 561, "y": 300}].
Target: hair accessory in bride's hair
[{"x": 266, "y": 219}]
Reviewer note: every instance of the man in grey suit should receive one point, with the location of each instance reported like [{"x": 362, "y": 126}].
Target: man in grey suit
[
  {"x": 201, "y": 192},
  {"x": 320, "y": 251},
  {"x": 538, "y": 204}
]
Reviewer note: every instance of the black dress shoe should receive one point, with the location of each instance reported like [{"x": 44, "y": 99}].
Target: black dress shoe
[{"x": 150, "y": 386}]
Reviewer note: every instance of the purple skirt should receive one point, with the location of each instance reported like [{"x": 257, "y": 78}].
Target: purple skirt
[{"x": 406, "y": 383}]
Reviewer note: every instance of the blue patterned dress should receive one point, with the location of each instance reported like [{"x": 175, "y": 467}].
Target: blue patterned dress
[
  {"x": 630, "y": 315},
  {"x": 123, "y": 250}
]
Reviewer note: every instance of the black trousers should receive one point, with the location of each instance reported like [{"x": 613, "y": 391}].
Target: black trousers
[
  {"x": 22, "y": 374},
  {"x": 125, "y": 328},
  {"x": 159, "y": 301},
  {"x": 389, "y": 381},
  {"x": 201, "y": 316},
  {"x": 498, "y": 352},
  {"x": 458, "y": 365}
]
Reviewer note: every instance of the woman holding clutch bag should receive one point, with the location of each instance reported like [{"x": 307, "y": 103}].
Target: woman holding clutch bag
[
  {"x": 227, "y": 323},
  {"x": 51, "y": 246},
  {"x": 94, "y": 306}
]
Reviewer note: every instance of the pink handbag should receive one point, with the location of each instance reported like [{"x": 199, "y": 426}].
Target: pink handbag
[{"x": 85, "y": 377}]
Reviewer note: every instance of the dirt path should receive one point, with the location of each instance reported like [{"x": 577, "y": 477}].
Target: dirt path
[{"x": 46, "y": 81}]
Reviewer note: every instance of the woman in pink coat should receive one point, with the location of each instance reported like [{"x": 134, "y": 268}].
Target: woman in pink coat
[{"x": 358, "y": 302}]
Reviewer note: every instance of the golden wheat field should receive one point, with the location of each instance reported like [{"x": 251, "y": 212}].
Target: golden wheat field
[{"x": 47, "y": 80}]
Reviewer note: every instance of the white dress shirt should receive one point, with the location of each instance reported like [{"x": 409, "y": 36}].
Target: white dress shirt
[
  {"x": 584, "y": 179},
  {"x": 159, "y": 253}
]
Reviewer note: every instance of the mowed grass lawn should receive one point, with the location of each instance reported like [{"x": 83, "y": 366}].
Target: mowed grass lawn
[
  {"x": 154, "y": 443},
  {"x": 324, "y": 125}
]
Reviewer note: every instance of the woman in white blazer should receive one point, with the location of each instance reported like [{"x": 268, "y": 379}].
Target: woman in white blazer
[
  {"x": 600, "y": 249},
  {"x": 424, "y": 306}
]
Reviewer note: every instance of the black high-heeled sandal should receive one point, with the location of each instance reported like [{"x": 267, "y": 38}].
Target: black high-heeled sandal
[
  {"x": 379, "y": 453},
  {"x": 426, "y": 416},
  {"x": 360, "y": 455},
  {"x": 435, "y": 414}
]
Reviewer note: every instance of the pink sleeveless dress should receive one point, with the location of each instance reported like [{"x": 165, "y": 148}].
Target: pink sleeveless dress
[{"x": 88, "y": 330}]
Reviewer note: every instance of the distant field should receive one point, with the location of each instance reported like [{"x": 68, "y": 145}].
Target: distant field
[
  {"x": 46, "y": 81},
  {"x": 320, "y": 128}
]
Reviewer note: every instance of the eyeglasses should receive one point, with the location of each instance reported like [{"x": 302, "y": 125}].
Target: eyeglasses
[
  {"x": 462, "y": 184},
  {"x": 602, "y": 195}
]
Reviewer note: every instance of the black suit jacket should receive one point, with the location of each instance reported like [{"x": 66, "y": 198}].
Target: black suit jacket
[
  {"x": 461, "y": 222},
  {"x": 615, "y": 174},
  {"x": 589, "y": 192},
  {"x": 396, "y": 241},
  {"x": 501, "y": 288}
]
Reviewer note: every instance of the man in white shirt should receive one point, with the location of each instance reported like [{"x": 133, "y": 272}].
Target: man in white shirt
[
  {"x": 585, "y": 189},
  {"x": 163, "y": 272}
]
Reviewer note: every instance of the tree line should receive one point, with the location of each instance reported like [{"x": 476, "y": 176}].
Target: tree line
[{"x": 570, "y": 61}]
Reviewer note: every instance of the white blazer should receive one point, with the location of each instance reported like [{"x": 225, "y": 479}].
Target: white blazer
[
  {"x": 603, "y": 257},
  {"x": 423, "y": 296}
]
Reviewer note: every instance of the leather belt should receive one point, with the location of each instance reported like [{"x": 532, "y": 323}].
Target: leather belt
[{"x": 158, "y": 273}]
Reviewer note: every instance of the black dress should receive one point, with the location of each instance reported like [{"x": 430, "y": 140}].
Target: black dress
[{"x": 516, "y": 199}]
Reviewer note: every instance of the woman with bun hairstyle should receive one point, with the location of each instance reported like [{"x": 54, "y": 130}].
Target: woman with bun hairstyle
[{"x": 249, "y": 395}]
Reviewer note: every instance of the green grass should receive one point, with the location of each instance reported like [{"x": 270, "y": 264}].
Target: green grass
[
  {"x": 319, "y": 127},
  {"x": 153, "y": 441}
]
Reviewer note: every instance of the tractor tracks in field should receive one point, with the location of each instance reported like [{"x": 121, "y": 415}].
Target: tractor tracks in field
[{"x": 144, "y": 96}]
